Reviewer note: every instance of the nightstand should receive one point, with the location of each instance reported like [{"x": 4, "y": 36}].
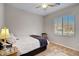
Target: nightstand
[{"x": 12, "y": 52}]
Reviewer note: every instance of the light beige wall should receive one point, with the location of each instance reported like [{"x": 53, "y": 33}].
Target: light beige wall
[
  {"x": 23, "y": 23},
  {"x": 71, "y": 42},
  {"x": 1, "y": 15}
]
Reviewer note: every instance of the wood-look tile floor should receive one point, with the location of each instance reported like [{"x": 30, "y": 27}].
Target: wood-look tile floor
[{"x": 57, "y": 50}]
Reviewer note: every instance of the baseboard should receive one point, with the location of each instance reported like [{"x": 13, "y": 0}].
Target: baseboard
[{"x": 66, "y": 49}]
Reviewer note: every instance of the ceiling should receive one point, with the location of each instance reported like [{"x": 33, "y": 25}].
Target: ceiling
[{"x": 31, "y": 7}]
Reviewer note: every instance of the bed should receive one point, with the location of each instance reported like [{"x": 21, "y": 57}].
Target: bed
[{"x": 29, "y": 46}]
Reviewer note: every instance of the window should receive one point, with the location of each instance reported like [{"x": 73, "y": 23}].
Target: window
[{"x": 64, "y": 25}]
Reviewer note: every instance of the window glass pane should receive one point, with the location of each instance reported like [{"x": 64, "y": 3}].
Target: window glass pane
[
  {"x": 58, "y": 26},
  {"x": 71, "y": 25},
  {"x": 65, "y": 25}
]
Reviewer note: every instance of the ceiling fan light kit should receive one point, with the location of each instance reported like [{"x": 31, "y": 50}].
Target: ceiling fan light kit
[
  {"x": 47, "y": 5},
  {"x": 44, "y": 6}
]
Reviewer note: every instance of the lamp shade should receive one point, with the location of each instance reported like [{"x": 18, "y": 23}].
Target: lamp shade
[{"x": 4, "y": 33}]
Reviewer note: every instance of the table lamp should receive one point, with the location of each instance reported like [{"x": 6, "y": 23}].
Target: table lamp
[{"x": 5, "y": 34}]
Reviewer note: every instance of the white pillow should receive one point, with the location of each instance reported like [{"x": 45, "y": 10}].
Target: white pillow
[{"x": 12, "y": 39}]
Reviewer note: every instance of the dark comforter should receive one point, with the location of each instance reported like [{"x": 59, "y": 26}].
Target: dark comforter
[{"x": 43, "y": 42}]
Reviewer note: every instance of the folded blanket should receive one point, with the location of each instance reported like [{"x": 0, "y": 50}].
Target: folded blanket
[{"x": 43, "y": 42}]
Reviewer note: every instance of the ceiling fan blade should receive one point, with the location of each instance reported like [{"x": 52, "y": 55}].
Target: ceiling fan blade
[
  {"x": 51, "y": 5},
  {"x": 54, "y": 4},
  {"x": 38, "y": 6},
  {"x": 57, "y": 3}
]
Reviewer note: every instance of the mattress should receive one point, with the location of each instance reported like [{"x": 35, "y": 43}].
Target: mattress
[{"x": 27, "y": 44}]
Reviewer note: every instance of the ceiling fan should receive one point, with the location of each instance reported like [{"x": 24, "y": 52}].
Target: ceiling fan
[{"x": 47, "y": 5}]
